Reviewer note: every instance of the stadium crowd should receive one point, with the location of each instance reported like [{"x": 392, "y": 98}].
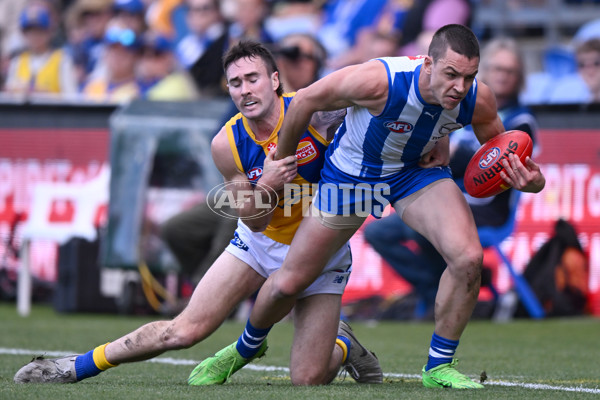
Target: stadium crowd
[
  {"x": 117, "y": 50},
  {"x": 113, "y": 51}
]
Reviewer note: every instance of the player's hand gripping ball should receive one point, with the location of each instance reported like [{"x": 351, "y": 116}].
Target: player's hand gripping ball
[{"x": 482, "y": 177}]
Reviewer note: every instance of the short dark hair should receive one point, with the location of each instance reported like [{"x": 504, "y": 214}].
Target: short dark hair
[
  {"x": 457, "y": 37},
  {"x": 252, "y": 49}
]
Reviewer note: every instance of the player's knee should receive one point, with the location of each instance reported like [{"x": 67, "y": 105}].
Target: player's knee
[
  {"x": 182, "y": 335},
  {"x": 309, "y": 377},
  {"x": 468, "y": 264},
  {"x": 289, "y": 286}
]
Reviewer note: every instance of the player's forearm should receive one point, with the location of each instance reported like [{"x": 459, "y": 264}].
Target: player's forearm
[
  {"x": 257, "y": 210},
  {"x": 294, "y": 124}
]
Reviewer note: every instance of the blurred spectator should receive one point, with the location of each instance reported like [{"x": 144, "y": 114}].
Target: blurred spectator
[
  {"x": 587, "y": 55},
  {"x": 86, "y": 25},
  {"x": 293, "y": 16},
  {"x": 249, "y": 21},
  {"x": 381, "y": 39},
  {"x": 427, "y": 16},
  {"x": 118, "y": 85},
  {"x": 300, "y": 57},
  {"x": 158, "y": 75},
  {"x": 559, "y": 71},
  {"x": 342, "y": 22},
  {"x": 130, "y": 14},
  {"x": 201, "y": 50},
  {"x": 408, "y": 252},
  {"x": 10, "y": 32},
  {"x": 160, "y": 17},
  {"x": 584, "y": 86},
  {"x": 40, "y": 68}
]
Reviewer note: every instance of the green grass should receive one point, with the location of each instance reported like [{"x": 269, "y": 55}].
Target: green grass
[{"x": 561, "y": 353}]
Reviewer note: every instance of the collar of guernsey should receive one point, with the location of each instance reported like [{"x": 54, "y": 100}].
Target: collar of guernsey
[{"x": 249, "y": 154}]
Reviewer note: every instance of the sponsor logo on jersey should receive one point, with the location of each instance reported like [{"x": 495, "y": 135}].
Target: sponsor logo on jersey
[
  {"x": 489, "y": 157},
  {"x": 448, "y": 128},
  {"x": 307, "y": 151},
  {"x": 399, "y": 126},
  {"x": 254, "y": 173}
]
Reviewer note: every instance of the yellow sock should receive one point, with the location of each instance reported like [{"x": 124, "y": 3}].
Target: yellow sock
[
  {"x": 344, "y": 348},
  {"x": 100, "y": 358}
]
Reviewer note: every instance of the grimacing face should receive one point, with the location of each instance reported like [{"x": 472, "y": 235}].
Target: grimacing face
[
  {"x": 451, "y": 78},
  {"x": 252, "y": 88}
]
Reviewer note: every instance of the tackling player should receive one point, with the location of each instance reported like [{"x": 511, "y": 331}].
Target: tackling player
[{"x": 241, "y": 150}]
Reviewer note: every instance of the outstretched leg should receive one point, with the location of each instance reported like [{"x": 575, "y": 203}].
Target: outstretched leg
[{"x": 226, "y": 283}]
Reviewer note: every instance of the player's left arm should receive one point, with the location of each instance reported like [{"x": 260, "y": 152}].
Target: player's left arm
[{"x": 486, "y": 124}]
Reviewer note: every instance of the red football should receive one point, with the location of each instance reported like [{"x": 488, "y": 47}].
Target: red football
[{"x": 482, "y": 177}]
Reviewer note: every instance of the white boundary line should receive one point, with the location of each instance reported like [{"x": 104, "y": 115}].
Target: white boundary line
[{"x": 271, "y": 368}]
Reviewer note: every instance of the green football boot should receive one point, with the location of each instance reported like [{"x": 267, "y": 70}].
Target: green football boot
[
  {"x": 217, "y": 369},
  {"x": 446, "y": 376}
]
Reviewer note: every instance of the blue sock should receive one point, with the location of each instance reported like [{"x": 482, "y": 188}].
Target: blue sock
[
  {"x": 249, "y": 343},
  {"x": 441, "y": 351},
  {"x": 85, "y": 367}
]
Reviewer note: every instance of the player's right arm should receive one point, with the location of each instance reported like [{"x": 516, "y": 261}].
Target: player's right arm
[
  {"x": 250, "y": 200},
  {"x": 486, "y": 124},
  {"x": 363, "y": 85}
]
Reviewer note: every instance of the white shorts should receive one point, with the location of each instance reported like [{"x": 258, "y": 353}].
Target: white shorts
[{"x": 265, "y": 256}]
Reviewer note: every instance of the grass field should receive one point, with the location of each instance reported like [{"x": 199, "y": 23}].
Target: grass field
[{"x": 551, "y": 359}]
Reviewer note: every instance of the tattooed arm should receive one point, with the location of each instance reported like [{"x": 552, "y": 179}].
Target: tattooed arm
[{"x": 327, "y": 122}]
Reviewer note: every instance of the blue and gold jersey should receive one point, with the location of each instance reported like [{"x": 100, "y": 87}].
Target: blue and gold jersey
[{"x": 249, "y": 154}]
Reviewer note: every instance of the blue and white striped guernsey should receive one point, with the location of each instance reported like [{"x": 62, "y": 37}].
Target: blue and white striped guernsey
[{"x": 377, "y": 146}]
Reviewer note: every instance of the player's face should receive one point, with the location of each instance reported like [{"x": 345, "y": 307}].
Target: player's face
[
  {"x": 252, "y": 88},
  {"x": 451, "y": 78}
]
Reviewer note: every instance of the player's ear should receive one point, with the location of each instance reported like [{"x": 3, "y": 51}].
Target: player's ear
[
  {"x": 427, "y": 64},
  {"x": 275, "y": 80}
]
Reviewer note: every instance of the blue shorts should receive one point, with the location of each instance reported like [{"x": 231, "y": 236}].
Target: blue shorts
[{"x": 343, "y": 194}]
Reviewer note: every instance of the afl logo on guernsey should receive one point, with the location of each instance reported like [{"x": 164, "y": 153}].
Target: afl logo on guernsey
[
  {"x": 399, "y": 126},
  {"x": 307, "y": 151},
  {"x": 271, "y": 146},
  {"x": 489, "y": 157},
  {"x": 254, "y": 173}
]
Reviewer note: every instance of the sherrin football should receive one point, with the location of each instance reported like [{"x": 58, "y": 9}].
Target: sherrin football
[{"x": 482, "y": 177}]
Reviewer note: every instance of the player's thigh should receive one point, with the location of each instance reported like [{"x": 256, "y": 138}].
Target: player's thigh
[
  {"x": 226, "y": 283},
  {"x": 312, "y": 247},
  {"x": 316, "y": 320},
  {"x": 442, "y": 215}
]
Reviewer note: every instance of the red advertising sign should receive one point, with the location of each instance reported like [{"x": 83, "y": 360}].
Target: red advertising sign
[
  {"x": 570, "y": 161},
  {"x": 51, "y": 156}
]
